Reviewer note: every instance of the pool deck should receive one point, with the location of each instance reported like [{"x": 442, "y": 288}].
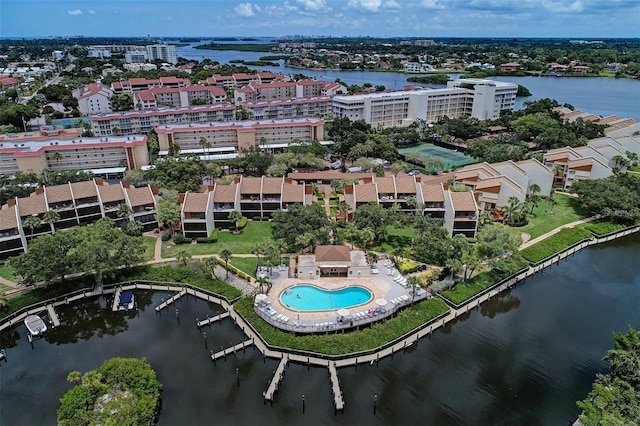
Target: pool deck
[{"x": 381, "y": 286}]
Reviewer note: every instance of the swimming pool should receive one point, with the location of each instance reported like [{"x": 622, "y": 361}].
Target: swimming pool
[{"x": 312, "y": 298}]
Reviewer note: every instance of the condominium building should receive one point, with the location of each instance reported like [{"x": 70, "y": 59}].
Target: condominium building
[
  {"x": 139, "y": 84},
  {"x": 237, "y": 136},
  {"x": 162, "y": 52},
  {"x": 289, "y": 108},
  {"x": 102, "y": 155},
  {"x": 135, "y": 122},
  {"x": 76, "y": 203},
  {"x": 254, "y": 91},
  {"x": 458, "y": 212},
  {"x": 569, "y": 165},
  {"x": 241, "y": 79},
  {"x": 93, "y": 98},
  {"x": 201, "y": 213},
  {"x": 483, "y": 99},
  {"x": 136, "y": 57},
  {"x": 178, "y": 97}
]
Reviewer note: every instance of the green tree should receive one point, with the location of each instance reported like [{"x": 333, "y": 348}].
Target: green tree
[
  {"x": 168, "y": 216},
  {"x": 298, "y": 220},
  {"x": 209, "y": 263},
  {"x": 74, "y": 377},
  {"x": 234, "y": 217},
  {"x": 50, "y": 217},
  {"x": 616, "y": 196},
  {"x": 124, "y": 211},
  {"x": 183, "y": 257},
  {"x": 31, "y": 222},
  {"x": 225, "y": 255}
]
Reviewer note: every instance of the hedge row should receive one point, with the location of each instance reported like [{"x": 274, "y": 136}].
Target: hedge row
[
  {"x": 367, "y": 339},
  {"x": 555, "y": 244}
]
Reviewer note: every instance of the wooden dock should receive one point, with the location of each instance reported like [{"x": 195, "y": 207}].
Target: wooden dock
[
  {"x": 54, "y": 317},
  {"x": 171, "y": 300},
  {"x": 277, "y": 378},
  {"x": 212, "y": 319},
  {"x": 116, "y": 299},
  {"x": 338, "y": 401},
  {"x": 223, "y": 353}
]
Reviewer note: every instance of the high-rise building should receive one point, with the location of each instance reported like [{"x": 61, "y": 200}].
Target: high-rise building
[{"x": 162, "y": 52}]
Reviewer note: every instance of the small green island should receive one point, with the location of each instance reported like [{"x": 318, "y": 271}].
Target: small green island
[{"x": 122, "y": 391}]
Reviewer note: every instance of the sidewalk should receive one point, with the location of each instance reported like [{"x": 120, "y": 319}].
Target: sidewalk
[{"x": 556, "y": 230}]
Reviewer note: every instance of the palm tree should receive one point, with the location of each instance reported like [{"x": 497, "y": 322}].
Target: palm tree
[
  {"x": 205, "y": 144},
  {"x": 168, "y": 216},
  {"x": 534, "y": 197},
  {"x": 51, "y": 217},
  {"x": 235, "y": 216},
  {"x": 485, "y": 218},
  {"x": 56, "y": 156},
  {"x": 124, "y": 211},
  {"x": 209, "y": 264},
  {"x": 183, "y": 257},
  {"x": 74, "y": 377},
  {"x": 262, "y": 280},
  {"x": 31, "y": 222},
  {"x": 257, "y": 249},
  {"x": 414, "y": 283},
  {"x": 558, "y": 173},
  {"x": 225, "y": 254},
  {"x": 281, "y": 246},
  {"x": 512, "y": 210}
]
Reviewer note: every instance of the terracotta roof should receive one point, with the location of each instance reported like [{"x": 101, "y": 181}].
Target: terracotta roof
[
  {"x": 250, "y": 185},
  {"x": 463, "y": 201},
  {"x": 365, "y": 192},
  {"x": 84, "y": 189},
  {"x": 385, "y": 185},
  {"x": 34, "y": 204},
  {"x": 329, "y": 175},
  {"x": 332, "y": 254},
  {"x": 581, "y": 162},
  {"x": 405, "y": 185},
  {"x": 432, "y": 193},
  {"x": 110, "y": 193},
  {"x": 8, "y": 219},
  {"x": 145, "y": 95},
  {"x": 271, "y": 185},
  {"x": 140, "y": 196},
  {"x": 58, "y": 193},
  {"x": 225, "y": 193},
  {"x": 292, "y": 193},
  {"x": 196, "y": 202}
]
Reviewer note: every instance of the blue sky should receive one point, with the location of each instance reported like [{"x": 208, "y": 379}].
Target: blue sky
[{"x": 410, "y": 18}]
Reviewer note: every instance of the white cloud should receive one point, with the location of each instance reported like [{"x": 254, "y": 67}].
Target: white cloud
[
  {"x": 564, "y": 7},
  {"x": 91, "y": 12},
  {"x": 365, "y": 5},
  {"x": 247, "y": 10},
  {"x": 312, "y": 5},
  {"x": 392, "y": 4},
  {"x": 431, "y": 4},
  {"x": 75, "y": 12}
]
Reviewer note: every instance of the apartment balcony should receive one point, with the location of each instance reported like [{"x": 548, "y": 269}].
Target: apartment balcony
[
  {"x": 271, "y": 206},
  {"x": 466, "y": 217},
  {"x": 226, "y": 207},
  {"x": 9, "y": 234},
  {"x": 90, "y": 201},
  {"x": 145, "y": 209},
  {"x": 60, "y": 207}
]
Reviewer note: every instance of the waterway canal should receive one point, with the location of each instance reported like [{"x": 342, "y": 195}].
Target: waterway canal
[{"x": 524, "y": 357}]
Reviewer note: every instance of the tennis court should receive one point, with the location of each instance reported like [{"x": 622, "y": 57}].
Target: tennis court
[
  {"x": 71, "y": 122},
  {"x": 450, "y": 158}
]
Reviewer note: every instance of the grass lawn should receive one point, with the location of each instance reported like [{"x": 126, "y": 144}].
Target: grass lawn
[
  {"x": 603, "y": 227},
  {"x": 566, "y": 211},
  {"x": 254, "y": 232},
  {"x": 247, "y": 265},
  {"x": 555, "y": 244},
  {"x": 7, "y": 271},
  {"x": 398, "y": 237},
  {"x": 149, "y": 247},
  {"x": 4, "y": 288},
  {"x": 343, "y": 343}
]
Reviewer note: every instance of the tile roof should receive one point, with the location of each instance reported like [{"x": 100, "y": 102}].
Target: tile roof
[
  {"x": 332, "y": 254},
  {"x": 292, "y": 193},
  {"x": 58, "y": 193},
  {"x": 365, "y": 192},
  {"x": 110, "y": 193},
  {"x": 271, "y": 185},
  {"x": 34, "y": 204},
  {"x": 385, "y": 185},
  {"x": 432, "y": 193},
  {"x": 463, "y": 201},
  {"x": 84, "y": 189},
  {"x": 140, "y": 196},
  {"x": 405, "y": 185},
  {"x": 8, "y": 218},
  {"x": 196, "y": 202},
  {"x": 251, "y": 185},
  {"x": 225, "y": 193}
]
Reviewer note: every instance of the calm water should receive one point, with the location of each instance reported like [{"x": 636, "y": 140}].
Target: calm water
[
  {"x": 600, "y": 96},
  {"x": 312, "y": 298},
  {"x": 523, "y": 358}
]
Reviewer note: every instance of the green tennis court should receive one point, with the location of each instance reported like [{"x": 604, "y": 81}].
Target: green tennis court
[{"x": 450, "y": 158}]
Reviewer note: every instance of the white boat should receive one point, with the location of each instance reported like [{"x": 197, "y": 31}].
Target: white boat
[
  {"x": 35, "y": 325},
  {"x": 126, "y": 301}
]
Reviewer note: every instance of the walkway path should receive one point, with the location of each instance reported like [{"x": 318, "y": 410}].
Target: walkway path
[{"x": 556, "y": 230}]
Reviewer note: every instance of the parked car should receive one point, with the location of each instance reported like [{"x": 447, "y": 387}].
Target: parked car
[{"x": 413, "y": 172}]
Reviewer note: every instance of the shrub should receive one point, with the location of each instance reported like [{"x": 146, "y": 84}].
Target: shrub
[
  {"x": 555, "y": 244},
  {"x": 242, "y": 222},
  {"x": 407, "y": 266},
  {"x": 166, "y": 236},
  {"x": 204, "y": 240},
  {"x": 181, "y": 239},
  {"x": 213, "y": 237}
]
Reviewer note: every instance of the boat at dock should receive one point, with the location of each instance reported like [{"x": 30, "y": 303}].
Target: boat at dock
[
  {"x": 35, "y": 325},
  {"x": 126, "y": 301}
]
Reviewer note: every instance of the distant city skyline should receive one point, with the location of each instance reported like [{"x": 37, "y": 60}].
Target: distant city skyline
[{"x": 376, "y": 18}]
